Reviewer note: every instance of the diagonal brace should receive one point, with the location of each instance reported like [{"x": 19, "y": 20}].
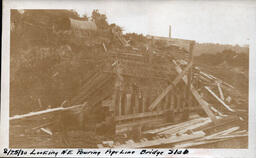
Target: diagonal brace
[{"x": 170, "y": 87}]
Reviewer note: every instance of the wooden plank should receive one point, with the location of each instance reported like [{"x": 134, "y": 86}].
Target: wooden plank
[
  {"x": 16, "y": 117},
  {"x": 216, "y": 111},
  {"x": 161, "y": 141},
  {"x": 170, "y": 87},
  {"x": 183, "y": 127},
  {"x": 221, "y": 101},
  {"x": 104, "y": 46},
  {"x": 124, "y": 126},
  {"x": 43, "y": 125},
  {"x": 204, "y": 104},
  {"x": 220, "y": 91},
  {"x": 141, "y": 115},
  {"x": 100, "y": 95},
  {"x": 86, "y": 86},
  {"x": 92, "y": 88},
  {"x": 211, "y": 77},
  {"x": 228, "y": 142},
  {"x": 221, "y": 133},
  {"x": 144, "y": 75},
  {"x": 179, "y": 125}
]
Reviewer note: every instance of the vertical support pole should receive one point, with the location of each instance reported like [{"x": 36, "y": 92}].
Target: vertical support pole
[
  {"x": 118, "y": 91},
  {"x": 172, "y": 101},
  {"x": 144, "y": 101},
  {"x": 159, "y": 107},
  {"x": 140, "y": 99},
  {"x": 190, "y": 75},
  {"x": 183, "y": 99},
  {"x": 120, "y": 99},
  {"x": 177, "y": 108},
  {"x": 136, "y": 97},
  {"x": 128, "y": 104},
  {"x": 115, "y": 97}
]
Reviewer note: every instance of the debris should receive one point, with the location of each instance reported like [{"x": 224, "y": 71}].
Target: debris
[
  {"x": 221, "y": 101},
  {"x": 220, "y": 91},
  {"x": 104, "y": 46},
  {"x": 46, "y": 130}
]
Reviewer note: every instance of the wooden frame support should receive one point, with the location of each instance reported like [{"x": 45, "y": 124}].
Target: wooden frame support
[
  {"x": 190, "y": 73},
  {"x": 221, "y": 101},
  {"x": 204, "y": 104},
  {"x": 170, "y": 87}
]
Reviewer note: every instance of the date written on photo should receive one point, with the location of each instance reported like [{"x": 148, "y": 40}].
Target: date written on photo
[{"x": 92, "y": 152}]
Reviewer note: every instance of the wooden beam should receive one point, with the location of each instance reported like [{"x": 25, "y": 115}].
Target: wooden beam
[
  {"x": 144, "y": 101},
  {"x": 220, "y": 91},
  {"x": 104, "y": 46},
  {"x": 204, "y": 104},
  {"x": 190, "y": 75},
  {"x": 120, "y": 98},
  {"x": 163, "y": 141},
  {"x": 176, "y": 127},
  {"x": 170, "y": 87},
  {"x": 115, "y": 102},
  {"x": 136, "y": 97},
  {"x": 211, "y": 77},
  {"x": 221, "y": 101},
  {"x": 128, "y": 104},
  {"x": 141, "y": 115},
  {"x": 126, "y": 126},
  {"x": 16, "y": 117}
]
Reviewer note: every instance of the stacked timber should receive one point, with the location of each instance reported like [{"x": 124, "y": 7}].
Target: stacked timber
[{"x": 191, "y": 133}]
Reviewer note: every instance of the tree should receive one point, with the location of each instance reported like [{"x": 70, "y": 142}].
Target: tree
[{"x": 100, "y": 19}]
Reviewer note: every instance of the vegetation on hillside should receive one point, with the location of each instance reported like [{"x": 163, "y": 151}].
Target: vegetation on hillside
[
  {"x": 228, "y": 65},
  {"x": 213, "y": 48},
  {"x": 48, "y": 58}
]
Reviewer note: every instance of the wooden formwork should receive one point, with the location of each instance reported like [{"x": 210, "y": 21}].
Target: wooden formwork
[{"x": 139, "y": 82}]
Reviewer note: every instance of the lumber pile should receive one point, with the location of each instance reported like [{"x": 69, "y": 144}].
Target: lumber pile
[{"x": 186, "y": 134}]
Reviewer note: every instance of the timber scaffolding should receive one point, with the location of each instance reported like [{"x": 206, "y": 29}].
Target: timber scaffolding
[
  {"x": 140, "y": 88},
  {"x": 154, "y": 100},
  {"x": 151, "y": 96},
  {"x": 146, "y": 90}
]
